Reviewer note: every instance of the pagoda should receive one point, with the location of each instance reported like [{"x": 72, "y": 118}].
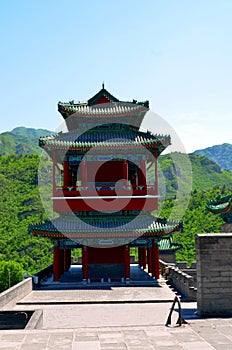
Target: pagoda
[
  {"x": 222, "y": 206},
  {"x": 108, "y": 189}
]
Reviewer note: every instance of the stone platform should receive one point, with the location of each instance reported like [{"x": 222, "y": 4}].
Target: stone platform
[
  {"x": 100, "y": 294},
  {"x": 142, "y": 288},
  {"x": 119, "y": 327},
  {"x": 116, "y": 317}
]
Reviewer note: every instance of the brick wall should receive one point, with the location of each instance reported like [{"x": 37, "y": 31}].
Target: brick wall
[
  {"x": 214, "y": 274},
  {"x": 9, "y": 297}
]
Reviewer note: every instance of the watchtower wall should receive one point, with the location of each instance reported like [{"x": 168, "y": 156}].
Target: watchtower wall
[{"x": 214, "y": 274}]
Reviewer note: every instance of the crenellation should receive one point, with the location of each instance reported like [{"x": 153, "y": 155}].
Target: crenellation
[{"x": 214, "y": 279}]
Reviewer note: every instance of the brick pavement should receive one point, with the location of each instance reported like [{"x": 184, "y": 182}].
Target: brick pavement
[
  {"x": 69, "y": 324},
  {"x": 119, "y": 326},
  {"x": 198, "y": 335}
]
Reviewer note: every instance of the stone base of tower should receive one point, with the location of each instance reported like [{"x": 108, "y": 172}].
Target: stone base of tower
[
  {"x": 102, "y": 263},
  {"x": 106, "y": 271}
]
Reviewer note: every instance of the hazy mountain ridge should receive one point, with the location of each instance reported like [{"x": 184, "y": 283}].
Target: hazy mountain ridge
[
  {"x": 220, "y": 154},
  {"x": 204, "y": 175},
  {"x": 21, "y": 141},
  {"x": 206, "y": 172},
  {"x": 20, "y": 204}
]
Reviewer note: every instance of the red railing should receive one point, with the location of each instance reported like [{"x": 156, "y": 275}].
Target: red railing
[{"x": 104, "y": 190}]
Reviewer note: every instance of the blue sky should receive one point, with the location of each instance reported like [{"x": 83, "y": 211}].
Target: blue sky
[{"x": 175, "y": 53}]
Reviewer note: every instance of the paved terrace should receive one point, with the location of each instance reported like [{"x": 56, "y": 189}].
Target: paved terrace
[{"x": 133, "y": 319}]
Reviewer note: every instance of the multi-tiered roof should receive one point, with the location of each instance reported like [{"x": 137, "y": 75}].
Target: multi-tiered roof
[
  {"x": 223, "y": 206},
  {"x": 117, "y": 137},
  {"x": 107, "y": 227},
  {"x": 104, "y": 123}
]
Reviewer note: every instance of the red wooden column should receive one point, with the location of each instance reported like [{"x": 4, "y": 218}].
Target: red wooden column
[
  {"x": 148, "y": 266},
  {"x": 127, "y": 261},
  {"x": 140, "y": 256},
  {"x": 149, "y": 259},
  {"x": 72, "y": 179},
  {"x": 125, "y": 173},
  {"x": 66, "y": 173},
  {"x": 61, "y": 264},
  {"x": 136, "y": 180},
  {"x": 83, "y": 173},
  {"x": 152, "y": 261},
  {"x": 56, "y": 270},
  {"x": 156, "y": 267},
  {"x": 144, "y": 257},
  {"x": 143, "y": 176},
  {"x": 85, "y": 262}
]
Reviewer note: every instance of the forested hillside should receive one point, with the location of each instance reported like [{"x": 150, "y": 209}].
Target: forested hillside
[
  {"x": 220, "y": 154},
  {"x": 21, "y": 141},
  {"x": 20, "y": 205},
  {"x": 206, "y": 174},
  {"x": 196, "y": 220}
]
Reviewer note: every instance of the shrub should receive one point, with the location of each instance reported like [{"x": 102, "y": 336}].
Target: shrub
[{"x": 11, "y": 273}]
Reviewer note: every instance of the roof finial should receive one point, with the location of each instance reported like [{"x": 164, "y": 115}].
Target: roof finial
[{"x": 103, "y": 85}]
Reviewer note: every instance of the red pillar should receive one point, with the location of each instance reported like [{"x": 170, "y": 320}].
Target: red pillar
[
  {"x": 136, "y": 180},
  {"x": 125, "y": 173},
  {"x": 156, "y": 266},
  {"x": 66, "y": 176},
  {"x": 144, "y": 257},
  {"x": 127, "y": 261},
  {"x": 83, "y": 173},
  {"x": 149, "y": 259},
  {"x": 153, "y": 261},
  {"x": 85, "y": 262},
  {"x": 61, "y": 262},
  {"x": 73, "y": 179},
  {"x": 143, "y": 170},
  {"x": 56, "y": 270}
]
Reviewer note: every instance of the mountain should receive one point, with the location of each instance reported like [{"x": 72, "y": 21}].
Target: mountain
[
  {"x": 220, "y": 154},
  {"x": 30, "y": 132},
  {"x": 176, "y": 170},
  {"x": 20, "y": 206},
  {"x": 24, "y": 141},
  {"x": 20, "y": 203},
  {"x": 21, "y": 141}
]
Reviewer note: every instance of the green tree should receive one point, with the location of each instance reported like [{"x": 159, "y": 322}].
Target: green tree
[{"x": 11, "y": 273}]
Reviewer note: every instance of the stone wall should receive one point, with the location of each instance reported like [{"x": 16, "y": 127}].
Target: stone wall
[
  {"x": 226, "y": 228},
  {"x": 214, "y": 274},
  {"x": 181, "y": 281},
  {"x": 9, "y": 297},
  {"x": 168, "y": 257}
]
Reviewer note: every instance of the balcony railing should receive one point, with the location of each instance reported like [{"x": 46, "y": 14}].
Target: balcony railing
[{"x": 103, "y": 189}]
